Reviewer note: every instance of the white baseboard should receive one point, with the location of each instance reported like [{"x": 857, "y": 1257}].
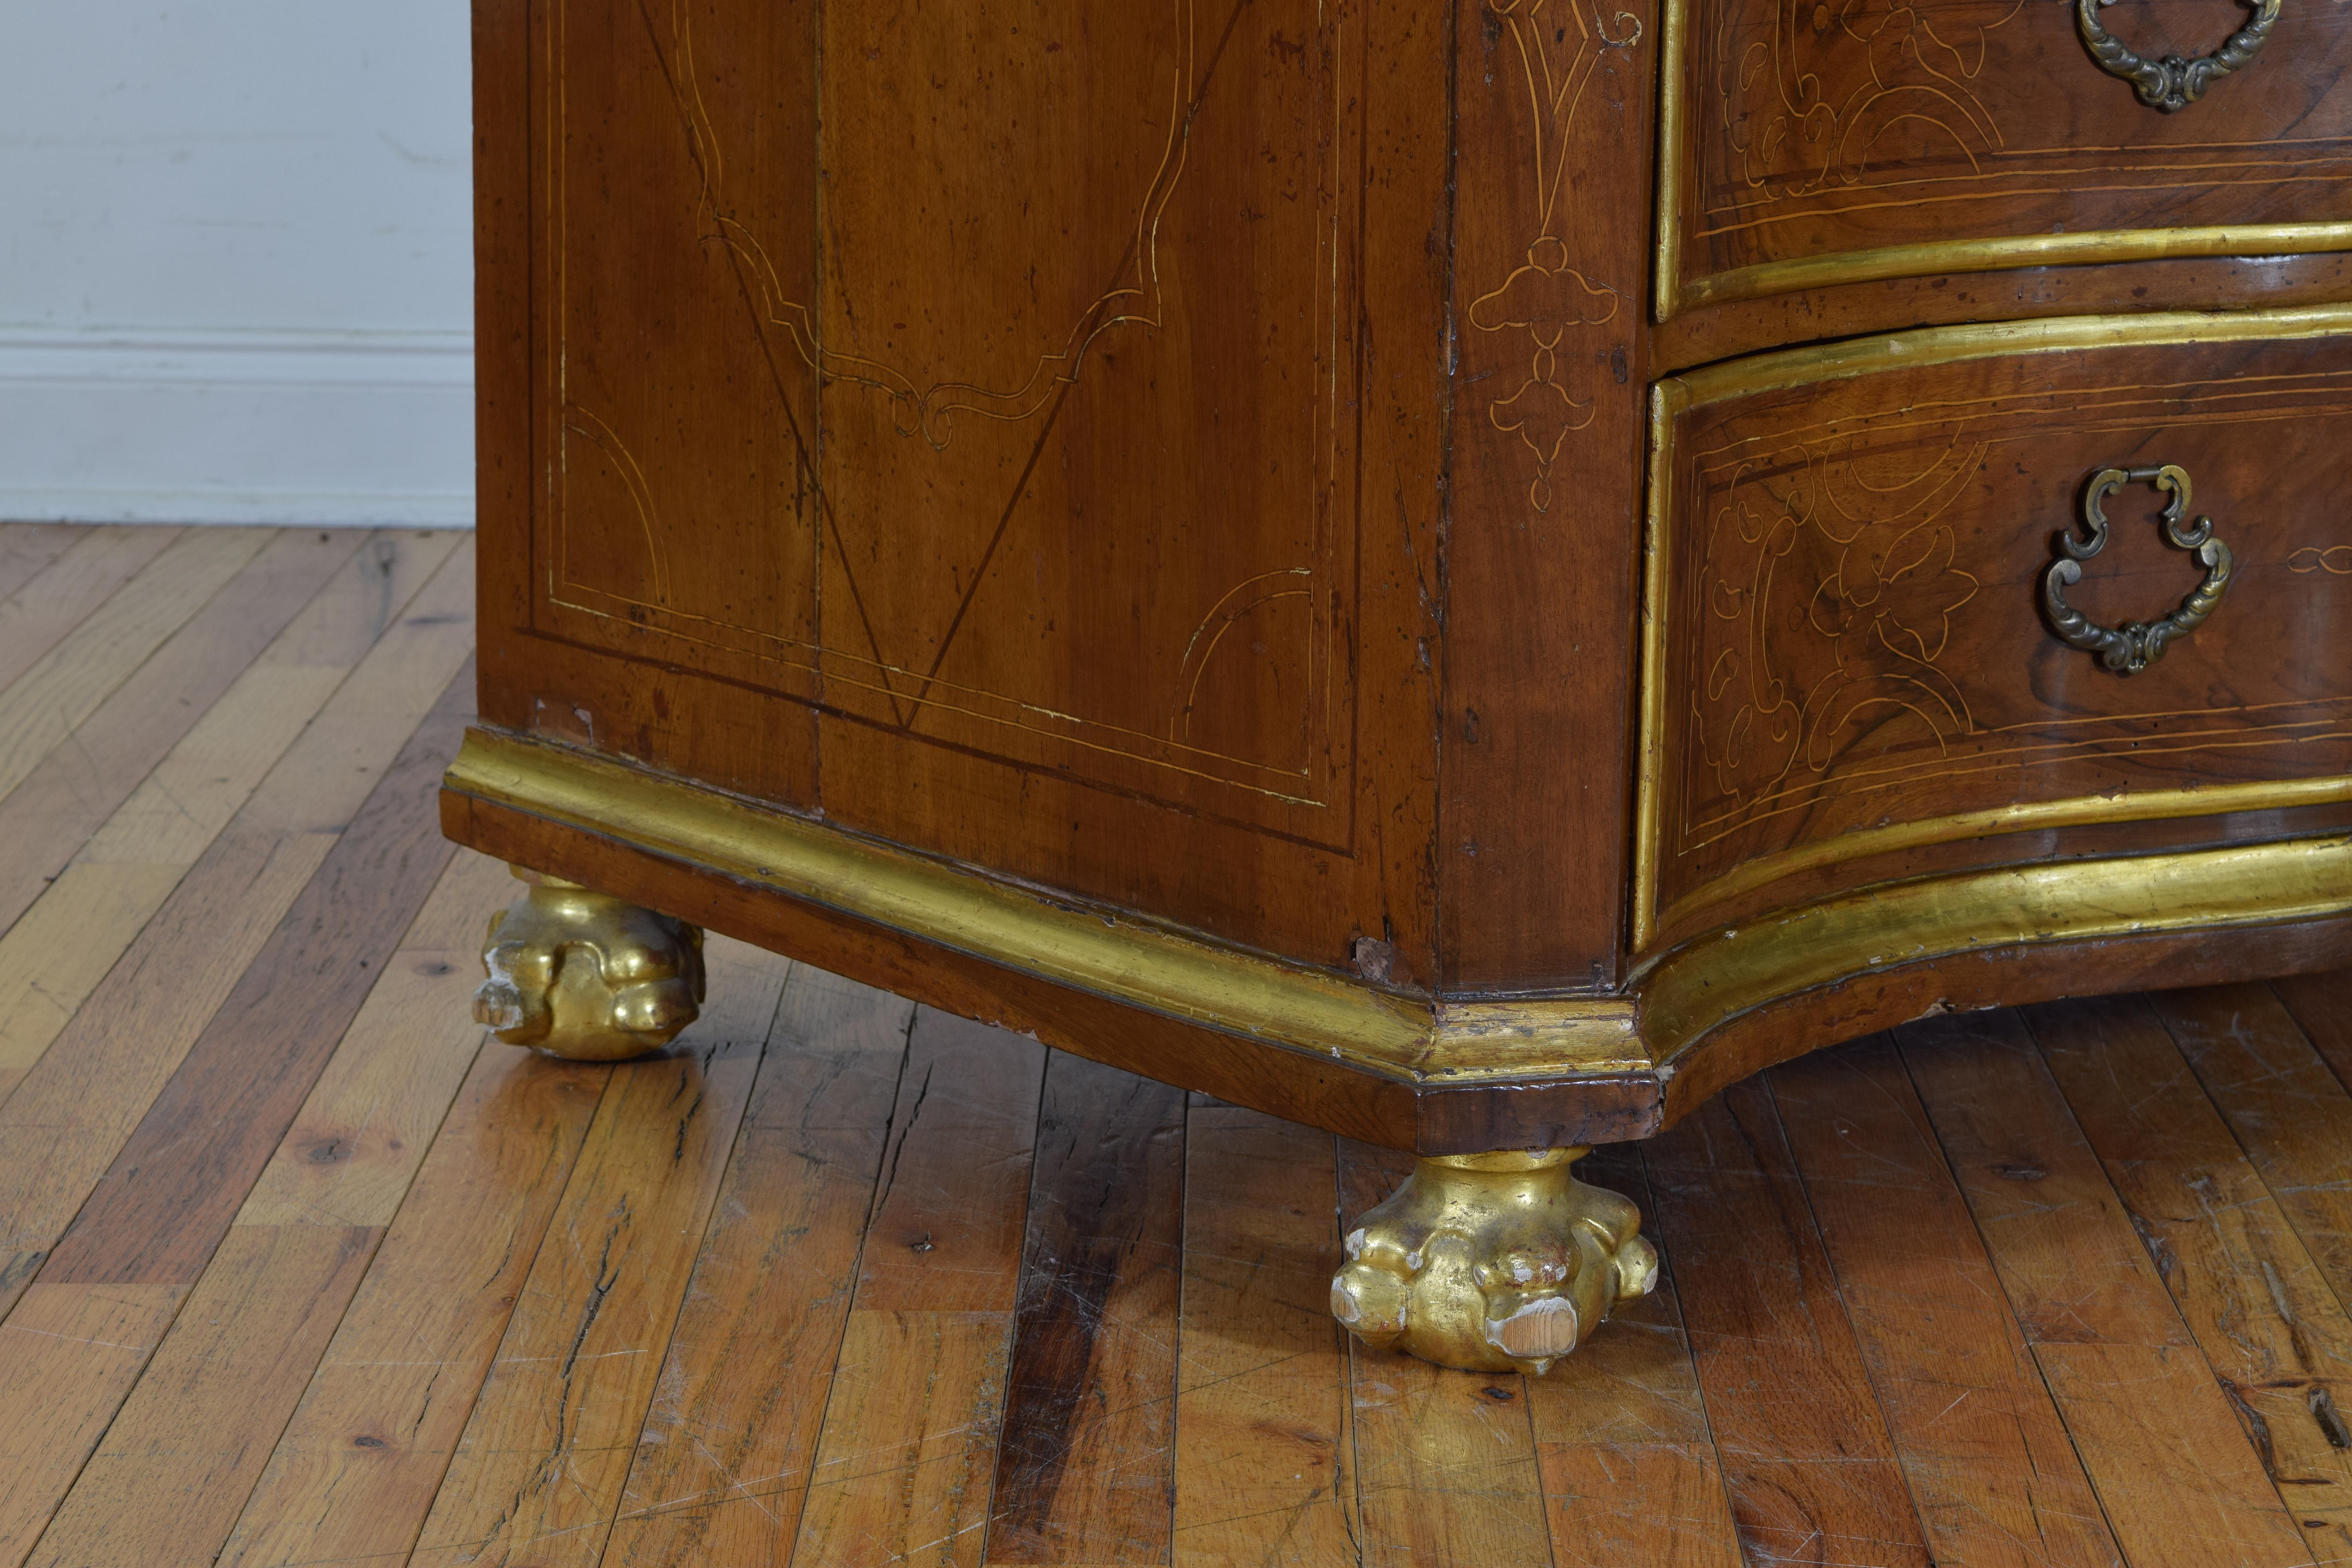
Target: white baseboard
[{"x": 296, "y": 427}]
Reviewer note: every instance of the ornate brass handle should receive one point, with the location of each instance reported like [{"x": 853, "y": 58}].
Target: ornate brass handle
[
  {"x": 2172, "y": 83},
  {"x": 2134, "y": 647}
]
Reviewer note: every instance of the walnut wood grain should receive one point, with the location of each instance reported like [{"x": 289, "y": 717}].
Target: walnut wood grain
[
  {"x": 1877, "y": 545},
  {"x": 1244, "y": 528},
  {"x": 1807, "y": 132}
]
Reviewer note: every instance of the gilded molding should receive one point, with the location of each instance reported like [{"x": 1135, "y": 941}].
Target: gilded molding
[
  {"x": 2000, "y": 255},
  {"x": 1674, "y": 145},
  {"x": 1950, "y": 345},
  {"x": 1387, "y": 1033},
  {"x": 2030, "y": 816},
  {"x": 1705, "y": 982},
  {"x": 1657, "y": 565},
  {"x": 1674, "y": 1001}
]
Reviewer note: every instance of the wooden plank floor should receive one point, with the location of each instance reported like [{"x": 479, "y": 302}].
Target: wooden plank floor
[{"x": 296, "y": 1269}]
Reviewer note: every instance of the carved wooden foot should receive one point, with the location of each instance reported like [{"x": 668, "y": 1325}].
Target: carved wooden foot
[
  {"x": 583, "y": 975},
  {"x": 1491, "y": 1262}
]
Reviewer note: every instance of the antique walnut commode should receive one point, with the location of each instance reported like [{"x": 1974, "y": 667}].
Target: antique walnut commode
[{"x": 1467, "y": 572}]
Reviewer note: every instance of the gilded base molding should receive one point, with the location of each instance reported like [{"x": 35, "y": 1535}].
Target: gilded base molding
[
  {"x": 586, "y": 976},
  {"x": 1670, "y": 1005},
  {"x": 1491, "y": 1262}
]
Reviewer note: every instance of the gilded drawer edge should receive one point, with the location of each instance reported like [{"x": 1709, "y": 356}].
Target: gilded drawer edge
[
  {"x": 1697, "y": 987},
  {"x": 1870, "y": 356},
  {"x": 1673, "y": 295}
]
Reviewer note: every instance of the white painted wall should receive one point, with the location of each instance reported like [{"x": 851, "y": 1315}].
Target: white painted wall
[{"x": 236, "y": 269}]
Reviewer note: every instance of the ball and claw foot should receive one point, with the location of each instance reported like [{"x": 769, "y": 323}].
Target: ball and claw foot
[
  {"x": 584, "y": 977},
  {"x": 1491, "y": 1262}
]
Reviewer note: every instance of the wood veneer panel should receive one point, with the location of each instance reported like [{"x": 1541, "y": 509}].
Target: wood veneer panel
[
  {"x": 1805, "y": 135},
  {"x": 1913, "y": 510},
  {"x": 1265, "y": 1458},
  {"x": 908, "y": 1453},
  {"x": 1630, "y": 1470},
  {"x": 1983, "y": 1450},
  {"x": 1087, "y": 1459},
  {"x": 1264, "y": 764},
  {"x": 723, "y": 1467},
  {"x": 2111, "y": 1346},
  {"x": 537, "y": 1475},
  {"x": 1550, "y": 249},
  {"x": 1807, "y": 1457}
]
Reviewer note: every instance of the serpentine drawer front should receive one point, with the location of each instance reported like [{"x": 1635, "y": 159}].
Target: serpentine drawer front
[
  {"x": 1815, "y": 142},
  {"x": 1874, "y": 640},
  {"x": 1229, "y": 536}
]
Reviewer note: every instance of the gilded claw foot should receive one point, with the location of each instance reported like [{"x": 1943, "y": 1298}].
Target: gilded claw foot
[
  {"x": 1491, "y": 1262},
  {"x": 584, "y": 977}
]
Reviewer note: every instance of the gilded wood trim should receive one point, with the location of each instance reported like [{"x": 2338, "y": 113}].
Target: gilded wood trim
[
  {"x": 1918, "y": 350},
  {"x": 1950, "y": 345},
  {"x": 1674, "y": 143},
  {"x": 1666, "y": 400},
  {"x": 1145, "y": 966},
  {"x": 1682, "y": 997},
  {"x": 1706, "y": 983},
  {"x": 1998, "y": 255},
  {"x": 2142, "y": 806}
]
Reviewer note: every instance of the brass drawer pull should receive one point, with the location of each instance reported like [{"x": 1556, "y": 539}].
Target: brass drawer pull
[
  {"x": 2172, "y": 83},
  {"x": 2134, "y": 647}
]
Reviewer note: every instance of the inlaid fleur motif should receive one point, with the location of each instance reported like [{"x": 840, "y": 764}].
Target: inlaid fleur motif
[
  {"x": 1558, "y": 48},
  {"x": 1544, "y": 298}
]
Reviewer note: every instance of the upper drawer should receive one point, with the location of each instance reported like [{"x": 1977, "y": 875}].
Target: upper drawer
[
  {"x": 1814, "y": 143},
  {"x": 1851, "y": 671}
]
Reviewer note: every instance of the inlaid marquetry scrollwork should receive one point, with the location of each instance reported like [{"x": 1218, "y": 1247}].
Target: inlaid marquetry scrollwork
[
  {"x": 1812, "y": 97},
  {"x": 2336, "y": 560},
  {"x": 923, "y": 402},
  {"x": 1829, "y": 578},
  {"x": 1548, "y": 298},
  {"x": 2133, "y": 647},
  {"x": 2172, "y": 83}
]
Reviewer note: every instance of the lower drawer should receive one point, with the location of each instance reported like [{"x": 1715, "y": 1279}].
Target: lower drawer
[{"x": 1851, "y": 650}]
